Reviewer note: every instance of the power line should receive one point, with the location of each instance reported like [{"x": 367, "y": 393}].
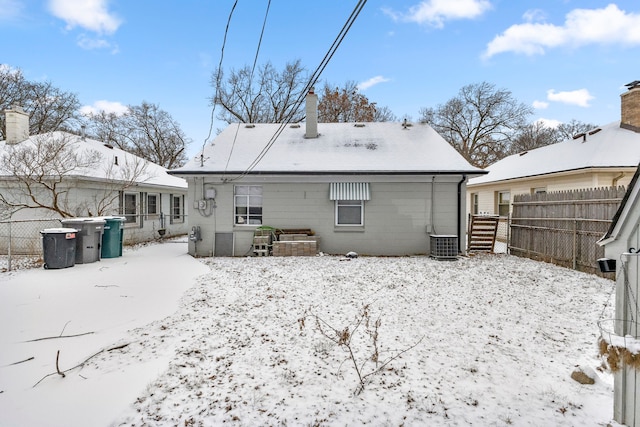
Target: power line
[
  {"x": 264, "y": 24},
  {"x": 312, "y": 81},
  {"x": 218, "y": 78},
  {"x": 255, "y": 61}
]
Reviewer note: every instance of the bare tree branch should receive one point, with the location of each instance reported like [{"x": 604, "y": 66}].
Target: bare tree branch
[
  {"x": 266, "y": 97},
  {"x": 480, "y": 122}
]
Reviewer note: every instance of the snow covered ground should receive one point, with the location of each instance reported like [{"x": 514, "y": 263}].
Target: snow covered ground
[{"x": 488, "y": 341}]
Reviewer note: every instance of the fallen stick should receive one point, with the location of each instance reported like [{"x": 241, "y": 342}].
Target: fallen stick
[
  {"x": 58, "y": 366},
  {"x": 60, "y": 336},
  {"x": 21, "y": 361},
  {"x": 59, "y": 372}
]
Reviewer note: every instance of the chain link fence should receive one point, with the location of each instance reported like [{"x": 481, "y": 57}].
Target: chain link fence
[
  {"x": 563, "y": 228},
  {"x": 502, "y": 236},
  {"x": 567, "y": 242},
  {"x": 21, "y": 242}
]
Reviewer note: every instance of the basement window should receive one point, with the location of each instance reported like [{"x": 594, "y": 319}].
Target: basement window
[{"x": 349, "y": 200}]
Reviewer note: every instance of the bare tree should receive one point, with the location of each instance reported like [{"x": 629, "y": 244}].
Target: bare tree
[
  {"x": 107, "y": 127},
  {"x": 347, "y": 104},
  {"x": 533, "y": 135},
  {"x": 49, "y": 107},
  {"x": 384, "y": 114},
  {"x": 566, "y": 131},
  {"x": 480, "y": 122},
  {"x": 146, "y": 131},
  {"x": 261, "y": 96},
  {"x": 42, "y": 173},
  {"x": 537, "y": 134}
]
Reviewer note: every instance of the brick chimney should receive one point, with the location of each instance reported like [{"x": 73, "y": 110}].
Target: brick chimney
[
  {"x": 312, "y": 115},
  {"x": 630, "y": 107},
  {"x": 17, "y": 125}
]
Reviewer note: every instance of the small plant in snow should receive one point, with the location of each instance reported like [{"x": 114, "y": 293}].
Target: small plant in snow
[
  {"x": 617, "y": 356},
  {"x": 343, "y": 338}
]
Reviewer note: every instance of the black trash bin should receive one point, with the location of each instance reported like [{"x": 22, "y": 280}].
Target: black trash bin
[
  {"x": 88, "y": 238},
  {"x": 59, "y": 247}
]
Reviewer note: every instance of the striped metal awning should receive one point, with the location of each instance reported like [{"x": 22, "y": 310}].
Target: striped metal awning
[{"x": 349, "y": 191}]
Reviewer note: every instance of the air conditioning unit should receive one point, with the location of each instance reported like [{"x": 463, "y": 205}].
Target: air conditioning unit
[{"x": 444, "y": 246}]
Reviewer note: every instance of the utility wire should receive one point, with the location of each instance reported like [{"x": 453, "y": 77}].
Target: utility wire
[
  {"x": 312, "y": 81},
  {"x": 218, "y": 78},
  {"x": 264, "y": 24},
  {"x": 255, "y": 61}
]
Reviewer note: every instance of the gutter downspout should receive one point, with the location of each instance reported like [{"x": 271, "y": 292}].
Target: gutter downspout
[
  {"x": 614, "y": 182},
  {"x": 464, "y": 178}
]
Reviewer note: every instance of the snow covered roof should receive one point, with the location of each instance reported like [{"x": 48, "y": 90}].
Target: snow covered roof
[
  {"x": 115, "y": 163},
  {"x": 339, "y": 148},
  {"x": 611, "y": 146},
  {"x": 622, "y": 214}
]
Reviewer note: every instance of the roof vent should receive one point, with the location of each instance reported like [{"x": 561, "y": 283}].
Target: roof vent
[
  {"x": 523, "y": 153},
  {"x": 593, "y": 132},
  {"x": 633, "y": 84},
  {"x": 359, "y": 125},
  {"x": 581, "y": 135},
  {"x": 250, "y": 125},
  {"x": 108, "y": 145}
]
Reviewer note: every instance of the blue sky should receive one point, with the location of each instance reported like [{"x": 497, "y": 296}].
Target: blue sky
[{"x": 570, "y": 59}]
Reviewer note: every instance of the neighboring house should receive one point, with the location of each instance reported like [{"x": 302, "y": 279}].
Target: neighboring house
[
  {"x": 86, "y": 178},
  {"x": 622, "y": 333},
  {"x": 372, "y": 188},
  {"x": 603, "y": 157}
]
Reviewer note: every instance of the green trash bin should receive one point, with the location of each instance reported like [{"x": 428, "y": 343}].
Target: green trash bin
[
  {"x": 112, "y": 237},
  {"x": 88, "y": 238},
  {"x": 59, "y": 247}
]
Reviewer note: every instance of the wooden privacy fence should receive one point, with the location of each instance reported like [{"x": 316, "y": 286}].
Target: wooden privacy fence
[{"x": 563, "y": 227}]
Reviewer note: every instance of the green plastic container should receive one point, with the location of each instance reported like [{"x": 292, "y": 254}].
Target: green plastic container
[{"x": 112, "y": 237}]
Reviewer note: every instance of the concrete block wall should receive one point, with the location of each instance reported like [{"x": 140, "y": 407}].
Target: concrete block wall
[{"x": 295, "y": 245}]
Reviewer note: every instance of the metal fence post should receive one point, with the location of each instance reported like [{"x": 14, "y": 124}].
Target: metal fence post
[
  {"x": 508, "y": 233},
  {"x": 9, "y": 248},
  {"x": 575, "y": 243}
]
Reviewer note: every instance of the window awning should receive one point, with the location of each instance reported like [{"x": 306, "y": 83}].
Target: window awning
[{"x": 349, "y": 191}]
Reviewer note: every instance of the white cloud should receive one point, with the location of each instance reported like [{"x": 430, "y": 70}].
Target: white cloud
[
  {"x": 581, "y": 27},
  {"x": 540, "y": 105},
  {"x": 549, "y": 123},
  {"x": 10, "y": 9},
  {"x": 534, "y": 15},
  {"x": 580, "y": 97},
  {"x": 89, "y": 43},
  {"x": 88, "y": 14},
  {"x": 436, "y": 12},
  {"x": 372, "y": 82},
  {"x": 106, "y": 106}
]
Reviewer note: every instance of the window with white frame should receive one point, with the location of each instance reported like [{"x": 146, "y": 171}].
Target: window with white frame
[
  {"x": 248, "y": 204},
  {"x": 349, "y": 198},
  {"x": 177, "y": 202},
  {"x": 153, "y": 204},
  {"x": 475, "y": 209},
  {"x": 129, "y": 207},
  {"x": 349, "y": 212},
  {"x": 504, "y": 199},
  {"x": 539, "y": 190}
]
